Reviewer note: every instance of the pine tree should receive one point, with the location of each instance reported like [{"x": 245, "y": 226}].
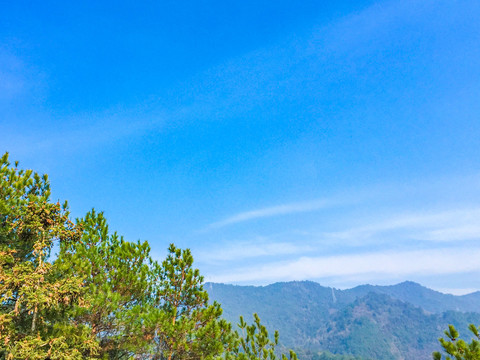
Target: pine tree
[
  {"x": 117, "y": 277},
  {"x": 184, "y": 325},
  {"x": 459, "y": 349},
  {"x": 33, "y": 292},
  {"x": 253, "y": 343},
  {"x": 102, "y": 297}
]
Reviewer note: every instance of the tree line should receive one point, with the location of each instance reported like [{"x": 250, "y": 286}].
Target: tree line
[{"x": 100, "y": 296}]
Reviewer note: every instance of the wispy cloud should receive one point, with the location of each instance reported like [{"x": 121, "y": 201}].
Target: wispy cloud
[
  {"x": 238, "y": 251},
  {"x": 455, "y": 291},
  {"x": 89, "y": 131},
  {"x": 383, "y": 264},
  {"x": 414, "y": 245},
  {"x": 285, "y": 209},
  {"x": 441, "y": 226},
  {"x": 12, "y": 75},
  {"x": 397, "y": 230},
  {"x": 265, "y": 74}
]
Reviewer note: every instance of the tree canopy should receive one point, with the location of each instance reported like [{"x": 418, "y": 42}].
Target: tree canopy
[{"x": 100, "y": 296}]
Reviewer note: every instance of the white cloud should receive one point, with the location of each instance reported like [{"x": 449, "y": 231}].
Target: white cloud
[
  {"x": 441, "y": 226},
  {"x": 454, "y": 233},
  {"x": 238, "y": 251},
  {"x": 330, "y": 254},
  {"x": 285, "y": 209},
  {"x": 383, "y": 264}
]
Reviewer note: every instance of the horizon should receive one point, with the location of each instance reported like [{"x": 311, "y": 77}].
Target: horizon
[
  {"x": 442, "y": 291},
  {"x": 336, "y": 143}
]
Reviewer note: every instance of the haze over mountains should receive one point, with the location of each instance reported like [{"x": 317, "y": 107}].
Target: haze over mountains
[{"x": 402, "y": 321}]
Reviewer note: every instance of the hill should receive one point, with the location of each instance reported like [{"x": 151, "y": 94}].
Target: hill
[
  {"x": 402, "y": 321},
  {"x": 418, "y": 295}
]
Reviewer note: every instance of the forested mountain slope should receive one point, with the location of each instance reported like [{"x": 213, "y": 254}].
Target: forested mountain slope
[
  {"x": 402, "y": 321},
  {"x": 418, "y": 295}
]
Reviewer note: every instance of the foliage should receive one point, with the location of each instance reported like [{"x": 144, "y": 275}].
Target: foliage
[
  {"x": 184, "y": 325},
  {"x": 255, "y": 344},
  {"x": 101, "y": 297},
  {"x": 117, "y": 277},
  {"x": 33, "y": 292},
  {"x": 459, "y": 349}
]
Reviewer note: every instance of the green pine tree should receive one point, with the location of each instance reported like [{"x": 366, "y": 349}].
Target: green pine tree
[
  {"x": 33, "y": 292},
  {"x": 254, "y": 343},
  {"x": 185, "y": 325},
  {"x": 102, "y": 297},
  {"x": 116, "y": 276},
  {"x": 459, "y": 349}
]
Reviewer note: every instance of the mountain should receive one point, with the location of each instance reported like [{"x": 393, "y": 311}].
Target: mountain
[
  {"x": 380, "y": 327},
  {"x": 418, "y": 295},
  {"x": 298, "y": 307},
  {"x": 402, "y": 321}
]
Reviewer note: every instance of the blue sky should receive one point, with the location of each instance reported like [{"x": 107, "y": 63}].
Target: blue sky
[{"x": 279, "y": 140}]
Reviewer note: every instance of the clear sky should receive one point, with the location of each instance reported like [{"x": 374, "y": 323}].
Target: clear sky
[{"x": 336, "y": 141}]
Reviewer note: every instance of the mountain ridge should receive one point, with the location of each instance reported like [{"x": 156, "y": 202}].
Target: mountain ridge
[
  {"x": 416, "y": 294},
  {"x": 401, "y": 321}
]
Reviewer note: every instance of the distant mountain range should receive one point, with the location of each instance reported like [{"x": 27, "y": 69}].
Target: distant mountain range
[{"x": 402, "y": 321}]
